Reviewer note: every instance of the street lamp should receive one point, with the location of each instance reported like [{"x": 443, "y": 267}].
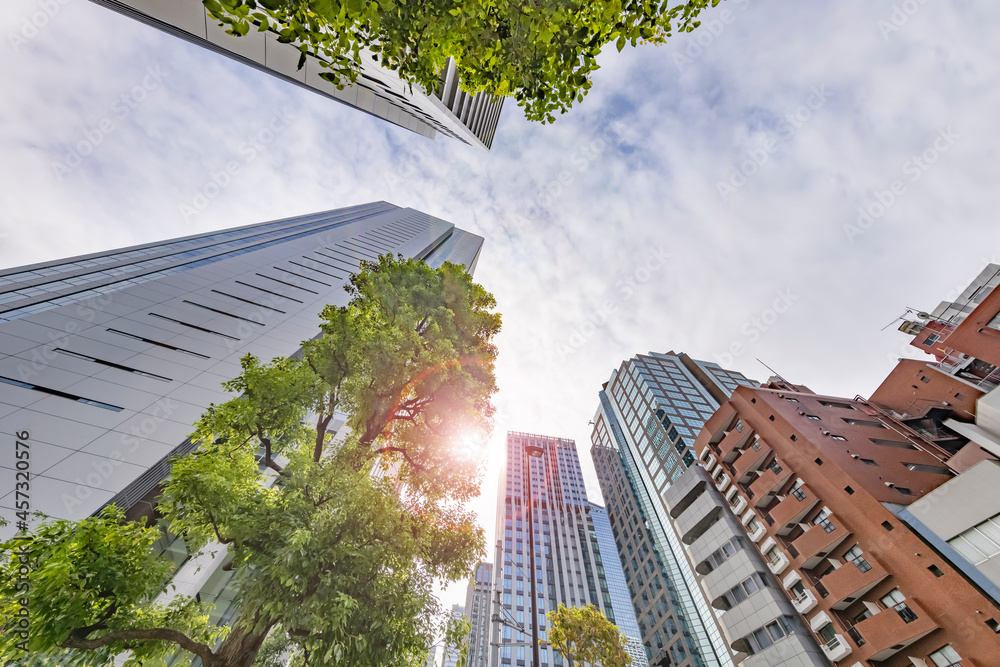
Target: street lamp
[{"x": 532, "y": 451}]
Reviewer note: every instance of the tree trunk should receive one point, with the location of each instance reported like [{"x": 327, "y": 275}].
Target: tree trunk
[{"x": 240, "y": 648}]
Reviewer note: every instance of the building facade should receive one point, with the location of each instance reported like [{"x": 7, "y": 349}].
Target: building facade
[
  {"x": 572, "y": 564},
  {"x": 479, "y": 609},
  {"x": 819, "y": 484},
  {"x": 471, "y": 119},
  {"x": 452, "y": 653},
  {"x": 110, "y": 358},
  {"x": 651, "y": 410}
]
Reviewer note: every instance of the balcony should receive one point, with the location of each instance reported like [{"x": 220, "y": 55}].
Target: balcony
[
  {"x": 853, "y": 579},
  {"x": 721, "y": 479},
  {"x": 756, "y": 530},
  {"x": 734, "y": 440},
  {"x": 791, "y": 509},
  {"x": 836, "y": 649},
  {"x": 790, "y": 579},
  {"x": 709, "y": 462},
  {"x": 779, "y": 562},
  {"x": 738, "y": 503},
  {"x": 895, "y": 628},
  {"x": 804, "y": 601},
  {"x": 818, "y": 541},
  {"x": 768, "y": 482},
  {"x": 748, "y": 462}
]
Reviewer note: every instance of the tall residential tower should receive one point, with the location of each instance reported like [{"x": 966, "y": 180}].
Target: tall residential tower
[{"x": 575, "y": 562}]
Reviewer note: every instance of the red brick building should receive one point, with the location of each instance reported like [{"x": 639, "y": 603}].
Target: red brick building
[{"x": 814, "y": 480}]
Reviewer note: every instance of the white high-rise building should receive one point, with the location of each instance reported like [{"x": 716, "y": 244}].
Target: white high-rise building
[
  {"x": 447, "y": 109},
  {"x": 109, "y": 358}
]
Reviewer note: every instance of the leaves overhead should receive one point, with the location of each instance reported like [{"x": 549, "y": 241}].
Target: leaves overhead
[
  {"x": 336, "y": 533},
  {"x": 541, "y": 52}
]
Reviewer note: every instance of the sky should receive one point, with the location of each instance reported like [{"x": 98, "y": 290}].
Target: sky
[{"x": 779, "y": 185}]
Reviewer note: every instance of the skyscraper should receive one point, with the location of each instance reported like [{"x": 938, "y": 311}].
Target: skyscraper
[
  {"x": 573, "y": 566},
  {"x": 651, "y": 410},
  {"x": 478, "y": 609},
  {"x": 451, "y": 653},
  {"x": 471, "y": 119},
  {"x": 110, "y": 357}
]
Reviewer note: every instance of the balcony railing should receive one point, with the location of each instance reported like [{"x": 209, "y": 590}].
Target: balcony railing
[{"x": 855, "y": 636}]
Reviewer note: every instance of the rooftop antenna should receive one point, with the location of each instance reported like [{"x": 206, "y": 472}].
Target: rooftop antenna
[{"x": 774, "y": 372}]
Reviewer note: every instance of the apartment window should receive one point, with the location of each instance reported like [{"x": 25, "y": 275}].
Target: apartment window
[
  {"x": 839, "y": 437},
  {"x": 835, "y": 404},
  {"x": 892, "y": 443},
  {"x": 979, "y": 543},
  {"x": 814, "y": 417},
  {"x": 764, "y": 637},
  {"x": 792, "y": 400},
  {"x": 897, "y": 601},
  {"x": 945, "y": 656},
  {"x": 824, "y": 522},
  {"x": 868, "y": 462},
  {"x": 797, "y": 491},
  {"x": 931, "y": 339},
  {"x": 853, "y": 555},
  {"x": 920, "y": 467},
  {"x": 995, "y": 322},
  {"x": 739, "y": 426},
  {"x": 863, "y": 422},
  {"x": 774, "y": 467}
]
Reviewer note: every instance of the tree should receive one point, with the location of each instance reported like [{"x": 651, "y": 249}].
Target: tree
[
  {"x": 343, "y": 551},
  {"x": 584, "y": 634},
  {"x": 541, "y": 52}
]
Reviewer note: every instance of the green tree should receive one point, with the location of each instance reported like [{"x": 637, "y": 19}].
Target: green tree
[
  {"x": 541, "y": 52},
  {"x": 584, "y": 634},
  {"x": 342, "y": 553}
]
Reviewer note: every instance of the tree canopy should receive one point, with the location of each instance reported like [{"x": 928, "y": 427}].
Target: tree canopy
[
  {"x": 338, "y": 539},
  {"x": 584, "y": 634},
  {"x": 541, "y": 52}
]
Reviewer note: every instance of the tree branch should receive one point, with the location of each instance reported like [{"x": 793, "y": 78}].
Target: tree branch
[
  {"x": 203, "y": 651},
  {"x": 406, "y": 455}
]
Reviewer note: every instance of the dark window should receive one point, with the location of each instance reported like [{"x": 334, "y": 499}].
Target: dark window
[
  {"x": 936, "y": 570},
  {"x": 892, "y": 443},
  {"x": 887, "y": 525},
  {"x": 819, "y": 462},
  {"x": 849, "y": 490}
]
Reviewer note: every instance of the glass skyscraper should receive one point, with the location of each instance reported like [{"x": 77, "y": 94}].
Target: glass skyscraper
[
  {"x": 651, "y": 410},
  {"x": 575, "y": 561},
  {"x": 109, "y": 358}
]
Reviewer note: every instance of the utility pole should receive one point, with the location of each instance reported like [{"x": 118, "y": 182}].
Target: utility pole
[{"x": 532, "y": 451}]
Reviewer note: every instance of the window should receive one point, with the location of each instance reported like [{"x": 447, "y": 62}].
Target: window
[
  {"x": 814, "y": 417},
  {"x": 839, "y": 437},
  {"x": 979, "y": 543},
  {"x": 797, "y": 491},
  {"x": 862, "y": 422},
  {"x": 935, "y": 570},
  {"x": 835, "y": 404},
  {"x": 849, "y": 490},
  {"x": 774, "y": 467},
  {"x": 931, "y": 339},
  {"x": 945, "y": 656},
  {"x": 892, "y": 443},
  {"x": 792, "y": 400},
  {"x": 868, "y": 462},
  {"x": 920, "y": 467},
  {"x": 995, "y": 322},
  {"x": 853, "y": 555}
]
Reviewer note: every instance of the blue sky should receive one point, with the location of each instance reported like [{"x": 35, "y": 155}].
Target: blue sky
[{"x": 699, "y": 185}]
